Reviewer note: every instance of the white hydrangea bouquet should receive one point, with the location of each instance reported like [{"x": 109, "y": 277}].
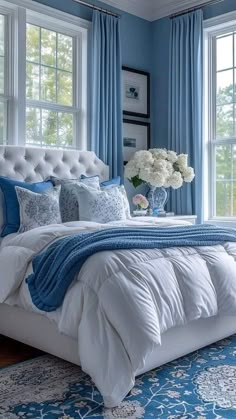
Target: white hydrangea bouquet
[{"x": 159, "y": 168}]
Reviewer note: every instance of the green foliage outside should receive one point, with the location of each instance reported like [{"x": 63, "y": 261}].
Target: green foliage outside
[
  {"x": 225, "y": 154},
  {"x": 49, "y": 66}
]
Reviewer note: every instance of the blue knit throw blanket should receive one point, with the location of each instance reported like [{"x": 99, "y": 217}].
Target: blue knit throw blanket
[{"x": 55, "y": 268}]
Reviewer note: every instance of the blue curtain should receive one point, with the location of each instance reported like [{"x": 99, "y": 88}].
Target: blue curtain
[
  {"x": 106, "y": 129},
  {"x": 186, "y": 106}
]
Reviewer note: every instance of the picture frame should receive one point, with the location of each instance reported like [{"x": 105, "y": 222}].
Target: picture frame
[
  {"x": 136, "y": 92},
  {"x": 136, "y": 136}
]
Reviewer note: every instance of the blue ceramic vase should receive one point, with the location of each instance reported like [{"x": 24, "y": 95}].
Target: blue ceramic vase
[{"x": 157, "y": 198}]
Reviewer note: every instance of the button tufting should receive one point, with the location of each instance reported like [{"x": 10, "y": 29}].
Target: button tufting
[{"x": 30, "y": 164}]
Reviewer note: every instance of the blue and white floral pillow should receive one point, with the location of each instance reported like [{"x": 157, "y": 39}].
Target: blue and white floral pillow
[
  {"x": 38, "y": 209},
  {"x": 69, "y": 206},
  {"x": 124, "y": 195},
  {"x": 101, "y": 206}
]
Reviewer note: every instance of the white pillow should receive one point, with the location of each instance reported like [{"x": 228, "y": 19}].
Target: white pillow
[
  {"x": 38, "y": 209},
  {"x": 100, "y": 206}
]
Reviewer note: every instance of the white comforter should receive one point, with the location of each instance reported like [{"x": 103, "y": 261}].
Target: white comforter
[{"x": 122, "y": 301}]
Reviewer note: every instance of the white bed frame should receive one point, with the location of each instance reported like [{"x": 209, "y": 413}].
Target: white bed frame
[
  {"x": 38, "y": 331},
  {"x": 33, "y": 164}
]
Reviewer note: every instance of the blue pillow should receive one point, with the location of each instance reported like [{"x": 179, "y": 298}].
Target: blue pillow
[
  {"x": 114, "y": 181},
  {"x": 10, "y": 202}
]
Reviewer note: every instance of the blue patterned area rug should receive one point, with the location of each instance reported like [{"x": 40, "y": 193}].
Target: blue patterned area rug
[{"x": 201, "y": 385}]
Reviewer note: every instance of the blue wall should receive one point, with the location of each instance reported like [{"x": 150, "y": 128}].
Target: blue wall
[
  {"x": 145, "y": 46},
  {"x": 160, "y": 70}
]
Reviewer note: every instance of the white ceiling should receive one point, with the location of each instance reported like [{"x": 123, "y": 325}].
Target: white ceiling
[{"x": 153, "y": 9}]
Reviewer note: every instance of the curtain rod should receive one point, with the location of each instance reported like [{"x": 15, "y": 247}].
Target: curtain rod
[
  {"x": 192, "y": 9},
  {"x": 100, "y": 9}
]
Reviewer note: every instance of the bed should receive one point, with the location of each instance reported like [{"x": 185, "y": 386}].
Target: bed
[{"x": 37, "y": 330}]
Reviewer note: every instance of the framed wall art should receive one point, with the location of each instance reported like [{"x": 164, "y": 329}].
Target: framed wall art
[
  {"x": 136, "y": 136},
  {"x": 136, "y": 92}
]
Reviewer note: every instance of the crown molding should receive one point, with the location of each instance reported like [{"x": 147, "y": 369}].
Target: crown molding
[
  {"x": 140, "y": 8},
  {"x": 167, "y": 7},
  {"x": 153, "y": 9}
]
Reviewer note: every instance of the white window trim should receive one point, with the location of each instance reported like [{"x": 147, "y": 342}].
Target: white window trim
[
  {"x": 212, "y": 27},
  {"x": 7, "y": 97},
  {"x": 22, "y": 11}
]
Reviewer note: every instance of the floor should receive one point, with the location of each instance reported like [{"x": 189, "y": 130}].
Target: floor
[{"x": 12, "y": 352}]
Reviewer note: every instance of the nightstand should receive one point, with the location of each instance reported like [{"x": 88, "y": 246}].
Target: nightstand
[{"x": 190, "y": 218}]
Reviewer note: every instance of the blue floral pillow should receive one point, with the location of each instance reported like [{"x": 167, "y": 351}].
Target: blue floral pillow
[
  {"x": 37, "y": 209},
  {"x": 100, "y": 206},
  {"x": 68, "y": 198},
  {"x": 11, "y": 212}
]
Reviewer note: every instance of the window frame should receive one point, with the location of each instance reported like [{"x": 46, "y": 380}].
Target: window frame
[
  {"x": 7, "y": 96},
  {"x": 22, "y": 12},
  {"x": 212, "y": 28}
]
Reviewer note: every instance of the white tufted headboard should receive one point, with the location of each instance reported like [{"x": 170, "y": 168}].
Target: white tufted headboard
[{"x": 33, "y": 164}]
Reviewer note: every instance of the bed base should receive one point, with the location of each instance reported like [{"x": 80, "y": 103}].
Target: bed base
[{"x": 38, "y": 331}]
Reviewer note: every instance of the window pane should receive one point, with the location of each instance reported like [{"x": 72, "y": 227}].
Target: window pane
[
  {"x": 48, "y": 47},
  {"x": 2, "y": 63},
  {"x": 224, "y": 121},
  {"x": 226, "y": 181},
  {"x": 223, "y": 162},
  {"x": 2, "y": 35},
  {"x": 49, "y": 69},
  {"x": 224, "y": 51},
  {"x": 33, "y": 43},
  {"x": 65, "y": 87},
  {"x": 33, "y": 135},
  {"x": 32, "y": 81},
  {"x": 65, "y": 52},
  {"x": 234, "y": 199},
  {"x": 65, "y": 129},
  {"x": 48, "y": 84},
  {"x": 3, "y": 123},
  {"x": 49, "y": 127},
  {"x": 225, "y": 87},
  {"x": 223, "y": 199}
]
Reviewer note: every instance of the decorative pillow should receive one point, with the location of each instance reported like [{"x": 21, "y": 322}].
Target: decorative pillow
[
  {"x": 10, "y": 203},
  {"x": 125, "y": 201},
  {"x": 91, "y": 181},
  {"x": 69, "y": 206},
  {"x": 1, "y": 212},
  {"x": 101, "y": 206},
  {"x": 115, "y": 181},
  {"x": 124, "y": 196},
  {"x": 38, "y": 209}
]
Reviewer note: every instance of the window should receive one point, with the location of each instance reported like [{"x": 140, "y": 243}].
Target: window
[
  {"x": 220, "y": 120},
  {"x": 4, "y": 76},
  {"x": 50, "y": 73},
  {"x": 49, "y": 87}
]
